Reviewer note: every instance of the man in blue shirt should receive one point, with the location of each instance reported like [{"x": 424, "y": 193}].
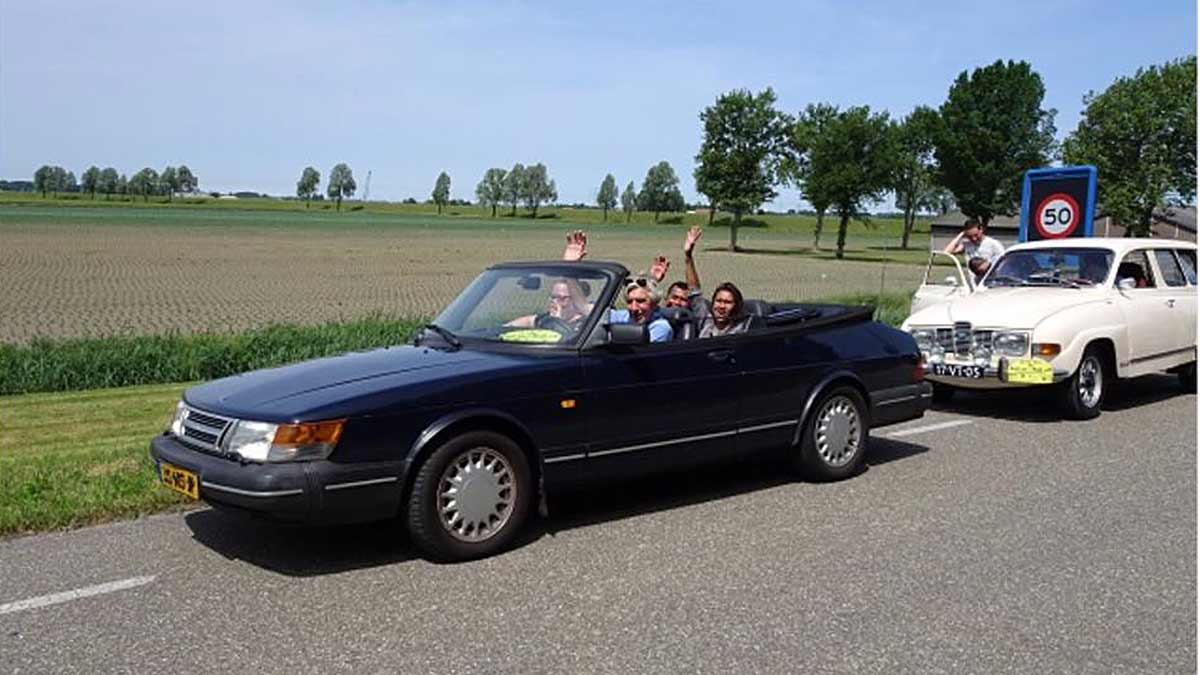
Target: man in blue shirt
[{"x": 642, "y": 297}]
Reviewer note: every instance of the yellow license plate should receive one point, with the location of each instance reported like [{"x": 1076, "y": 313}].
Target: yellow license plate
[
  {"x": 1030, "y": 371},
  {"x": 179, "y": 480}
]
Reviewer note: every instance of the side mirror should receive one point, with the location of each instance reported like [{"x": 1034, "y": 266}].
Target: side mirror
[
  {"x": 1126, "y": 284},
  {"x": 628, "y": 334},
  {"x": 530, "y": 283}
]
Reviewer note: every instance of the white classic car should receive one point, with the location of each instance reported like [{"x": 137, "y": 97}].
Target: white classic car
[{"x": 1075, "y": 314}]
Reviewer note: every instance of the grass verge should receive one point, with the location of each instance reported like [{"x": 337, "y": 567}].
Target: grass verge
[{"x": 81, "y": 457}]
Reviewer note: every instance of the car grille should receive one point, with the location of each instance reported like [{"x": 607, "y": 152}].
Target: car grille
[
  {"x": 203, "y": 431},
  {"x": 961, "y": 340}
]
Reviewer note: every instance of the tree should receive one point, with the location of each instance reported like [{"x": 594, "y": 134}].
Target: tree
[
  {"x": 810, "y": 124},
  {"x": 43, "y": 179},
  {"x": 745, "y": 144},
  {"x": 108, "y": 181},
  {"x": 187, "y": 181},
  {"x": 538, "y": 187},
  {"x": 660, "y": 191},
  {"x": 67, "y": 182},
  {"x": 913, "y": 179},
  {"x": 91, "y": 180},
  {"x": 490, "y": 190},
  {"x": 514, "y": 186},
  {"x": 629, "y": 200},
  {"x": 607, "y": 197},
  {"x": 306, "y": 187},
  {"x": 341, "y": 184},
  {"x": 993, "y": 130},
  {"x": 441, "y": 191},
  {"x": 1140, "y": 133},
  {"x": 852, "y": 161},
  {"x": 144, "y": 183},
  {"x": 122, "y": 185},
  {"x": 168, "y": 182}
]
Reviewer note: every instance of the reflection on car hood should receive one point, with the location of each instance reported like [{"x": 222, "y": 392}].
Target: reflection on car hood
[
  {"x": 301, "y": 390},
  {"x": 1003, "y": 307}
]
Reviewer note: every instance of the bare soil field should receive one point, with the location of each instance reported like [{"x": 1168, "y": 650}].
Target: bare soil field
[{"x": 86, "y": 274}]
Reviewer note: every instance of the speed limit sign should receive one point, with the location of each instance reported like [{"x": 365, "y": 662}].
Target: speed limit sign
[
  {"x": 1058, "y": 203},
  {"x": 1057, "y": 216}
]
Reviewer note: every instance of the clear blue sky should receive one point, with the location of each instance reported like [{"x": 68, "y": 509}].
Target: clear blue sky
[{"x": 248, "y": 93}]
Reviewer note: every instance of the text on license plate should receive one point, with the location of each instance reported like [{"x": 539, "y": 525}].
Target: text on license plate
[
  {"x": 954, "y": 370},
  {"x": 179, "y": 480}
]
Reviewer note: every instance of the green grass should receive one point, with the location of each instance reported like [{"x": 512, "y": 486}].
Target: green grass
[
  {"x": 72, "y": 459},
  {"x": 878, "y": 236},
  {"x": 94, "y": 363}
]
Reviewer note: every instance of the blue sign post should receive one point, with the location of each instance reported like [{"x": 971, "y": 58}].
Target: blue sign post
[{"x": 1058, "y": 203}]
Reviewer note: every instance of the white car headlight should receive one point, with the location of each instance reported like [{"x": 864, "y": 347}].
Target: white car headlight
[
  {"x": 924, "y": 339},
  {"x": 177, "y": 419},
  {"x": 1011, "y": 344},
  {"x": 266, "y": 442}
]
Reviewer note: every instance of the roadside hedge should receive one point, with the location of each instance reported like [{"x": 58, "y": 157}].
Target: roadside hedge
[{"x": 98, "y": 363}]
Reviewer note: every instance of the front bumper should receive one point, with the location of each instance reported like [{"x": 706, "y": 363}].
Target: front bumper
[{"x": 321, "y": 492}]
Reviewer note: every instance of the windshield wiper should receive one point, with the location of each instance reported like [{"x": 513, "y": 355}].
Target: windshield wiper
[
  {"x": 1005, "y": 280},
  {"x": 445, "y": 334}
]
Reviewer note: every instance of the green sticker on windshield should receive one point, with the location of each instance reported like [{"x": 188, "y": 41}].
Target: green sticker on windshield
[{"x": 531, "y": 335}]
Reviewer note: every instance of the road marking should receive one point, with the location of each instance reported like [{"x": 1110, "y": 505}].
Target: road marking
[
  {"x": 67, "y": 596},
  {"x": 929, "y": 427}
]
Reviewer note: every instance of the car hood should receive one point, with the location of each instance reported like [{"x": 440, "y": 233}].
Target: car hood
[
  {"x": 342, "y": 385},
  {"x": 1017, "y": 308}
]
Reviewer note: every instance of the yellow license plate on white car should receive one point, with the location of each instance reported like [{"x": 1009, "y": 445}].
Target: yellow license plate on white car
[
  {"x": 180, "y": 480},
  {"x": 1030, "y": 371}
]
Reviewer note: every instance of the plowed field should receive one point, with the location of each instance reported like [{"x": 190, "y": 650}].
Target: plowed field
[{"x": 74, "y": 272}]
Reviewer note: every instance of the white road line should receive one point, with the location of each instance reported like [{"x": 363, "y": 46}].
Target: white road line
[
  {"x": 929, "y": 427},
  {"x": 67, "y": 596}
]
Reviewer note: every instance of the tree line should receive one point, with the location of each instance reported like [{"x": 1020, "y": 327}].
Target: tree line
[
  {"x": 147, "y": 182},
  {"x": 972, "y": 151}
]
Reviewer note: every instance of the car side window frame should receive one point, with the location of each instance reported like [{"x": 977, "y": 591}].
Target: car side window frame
[
  {"x": 1169, "y": 255},
  {"x": 1187, "y": 264},
  {"x": 1146, "y": 265}
]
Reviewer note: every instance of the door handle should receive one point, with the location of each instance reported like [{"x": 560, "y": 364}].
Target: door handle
[
  {"x": 721, "y": 356},
  {"x": 1170, "y": 302}
]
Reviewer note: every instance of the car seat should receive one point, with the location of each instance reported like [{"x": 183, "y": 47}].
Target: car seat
[{"x": 682, "y": 322}]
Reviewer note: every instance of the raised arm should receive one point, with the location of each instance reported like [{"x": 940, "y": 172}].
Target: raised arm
[
  {"x": 689, "y": 245},
  {"x": 955, "y": 245},
  {"x": 576, "y": 248}
]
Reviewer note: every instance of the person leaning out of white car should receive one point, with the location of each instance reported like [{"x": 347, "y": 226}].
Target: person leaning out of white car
[{"x": 978, "y": 249}]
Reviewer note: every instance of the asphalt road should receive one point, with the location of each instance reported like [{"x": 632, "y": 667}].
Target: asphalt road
[{"x": 987, "y": 537}]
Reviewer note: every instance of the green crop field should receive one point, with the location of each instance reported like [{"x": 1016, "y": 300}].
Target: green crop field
[{"x": 91, "y": 271}]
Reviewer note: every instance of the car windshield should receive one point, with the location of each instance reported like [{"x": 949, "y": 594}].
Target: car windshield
[
  {"x": 525, "y": 305},
  {"x": 1068, "y": 267}
]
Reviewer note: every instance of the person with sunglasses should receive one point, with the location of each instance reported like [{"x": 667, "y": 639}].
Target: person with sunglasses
[
  {"x": 641, "y": 299},
  {"x": 725, "y": 313}
]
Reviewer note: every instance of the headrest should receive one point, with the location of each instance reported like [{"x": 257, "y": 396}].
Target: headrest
[
  {"x": 676, "y": 314},
  {"x": 757, "y": 307}
]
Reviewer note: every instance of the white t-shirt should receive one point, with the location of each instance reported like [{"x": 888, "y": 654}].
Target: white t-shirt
[{"x": 989, "y": 249}]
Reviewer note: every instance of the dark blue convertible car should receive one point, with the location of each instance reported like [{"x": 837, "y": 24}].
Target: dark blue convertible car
[{"x": 500, "y": 400}]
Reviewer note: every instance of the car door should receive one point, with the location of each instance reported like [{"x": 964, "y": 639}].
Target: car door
[
  {"x": 1147, "y": 309},
  {"x": 1179, "y": 296},
  {"x": 941, "y": 283},
  {"x": 659, "y": 405}
]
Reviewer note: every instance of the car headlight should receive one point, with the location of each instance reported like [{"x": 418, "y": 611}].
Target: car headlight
[
  {"x": 1011, "y": 344},
  {"x": 176, "y": 426},
  {"x": 266, "y": 442},
  {"x": 924, "y": 339}
]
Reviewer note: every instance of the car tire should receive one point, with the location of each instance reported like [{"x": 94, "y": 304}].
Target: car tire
[
  {"x": 835, "y": 435},
  {"x": 1187, "y": 378},
  {"x": 942, "y": 393},
  {"x": 492, "y": 478},
  {"x": 1082, "y": 394}
]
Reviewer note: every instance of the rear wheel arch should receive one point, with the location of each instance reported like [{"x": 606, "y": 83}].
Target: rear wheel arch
[{"x": 836, "y": 379}]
